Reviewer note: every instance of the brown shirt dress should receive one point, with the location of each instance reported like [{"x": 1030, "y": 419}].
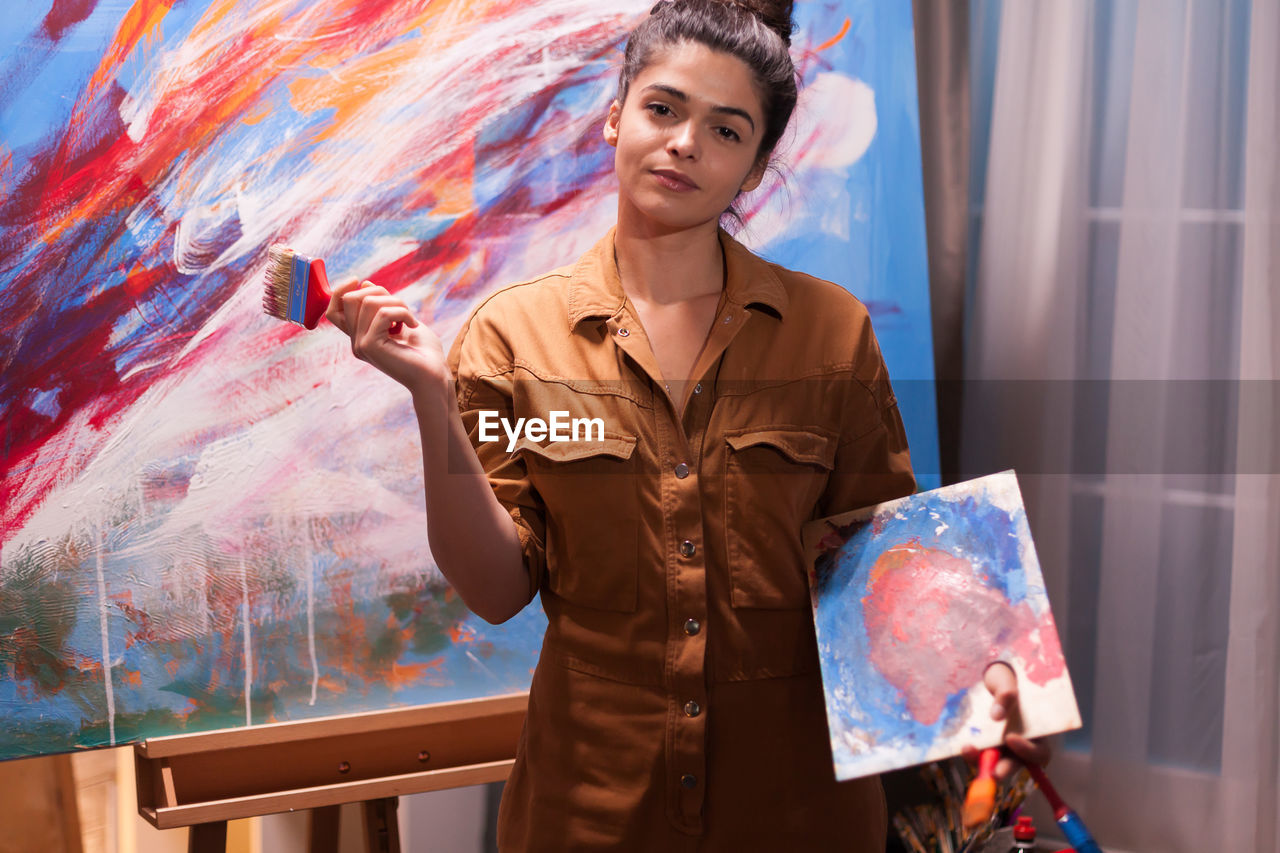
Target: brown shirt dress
[{"x": 677, "y": 703}]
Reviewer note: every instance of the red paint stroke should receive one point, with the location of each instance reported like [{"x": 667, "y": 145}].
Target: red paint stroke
[
  {"x": 1041, "y": 652},
  {"x": 65, "y": 14},
  {"x": 37, "y": 671},
  {"x": 73, "y": 200},
  {"x": 166, "y": 488},
  {"x": 143, "y": 280},
  {"x": 146, "y": 631},
  {"x": 934, "y": 626}
]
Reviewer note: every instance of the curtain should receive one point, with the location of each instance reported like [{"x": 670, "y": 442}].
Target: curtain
[
  {"x": 942, "y": 75},
  {"x": 1121, "y": 355},
  {"x": 1251, "y": 753}
]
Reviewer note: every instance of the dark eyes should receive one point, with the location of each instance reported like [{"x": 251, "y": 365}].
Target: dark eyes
[{"x": 660, "y": 109}]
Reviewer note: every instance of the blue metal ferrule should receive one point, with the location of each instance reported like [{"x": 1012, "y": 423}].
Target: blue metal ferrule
[
  {"x": 1077, "y": 835},
  {"x": 298, "y": 288}
]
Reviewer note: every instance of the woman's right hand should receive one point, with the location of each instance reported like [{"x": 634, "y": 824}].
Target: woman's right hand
[{"x": 366, "y": 312}]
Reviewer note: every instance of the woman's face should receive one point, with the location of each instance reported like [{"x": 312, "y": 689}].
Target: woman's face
[{"x": 686, "y": 137}]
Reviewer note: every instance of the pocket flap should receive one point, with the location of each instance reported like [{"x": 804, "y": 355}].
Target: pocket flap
[
  {"x": 617, "y": 446},
  {"x": 798, "y": 445}
]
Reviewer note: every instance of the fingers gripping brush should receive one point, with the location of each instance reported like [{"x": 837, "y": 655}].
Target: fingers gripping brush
[{"x": 297, "y": 288}]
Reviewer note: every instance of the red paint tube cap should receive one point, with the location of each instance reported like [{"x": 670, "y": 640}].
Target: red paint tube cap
[{"x": 1024, "y": 829}]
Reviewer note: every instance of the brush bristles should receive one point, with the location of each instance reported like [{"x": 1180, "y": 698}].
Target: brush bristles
[{"x": 279, "y": 280}]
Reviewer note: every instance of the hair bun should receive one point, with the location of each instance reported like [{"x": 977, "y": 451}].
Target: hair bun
[{"x": 774, "y": 14}]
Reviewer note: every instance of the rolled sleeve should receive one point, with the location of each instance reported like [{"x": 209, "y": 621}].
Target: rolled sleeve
[{"x": 481, "y": 388}]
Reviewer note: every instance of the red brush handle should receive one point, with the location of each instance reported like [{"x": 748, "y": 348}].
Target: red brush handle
[
  {"x": 319, "y": 295},
  {"x": 1042, "y": 782},
  {"x": 987, "y": 762}
]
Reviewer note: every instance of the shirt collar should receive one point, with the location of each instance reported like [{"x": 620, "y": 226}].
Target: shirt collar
[{"x": 595, "y": 291}]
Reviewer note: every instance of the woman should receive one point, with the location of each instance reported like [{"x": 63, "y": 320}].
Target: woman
[{"x": 677, "y": 703}]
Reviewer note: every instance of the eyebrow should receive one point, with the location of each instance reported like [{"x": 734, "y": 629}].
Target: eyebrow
[{"x": 683, "y": 98}]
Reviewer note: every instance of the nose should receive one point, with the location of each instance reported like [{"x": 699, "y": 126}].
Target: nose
[{"x": 683, "y": 141}]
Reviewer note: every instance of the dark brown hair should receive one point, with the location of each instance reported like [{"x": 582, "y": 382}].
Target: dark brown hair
[{"x": 756, "y": 31}]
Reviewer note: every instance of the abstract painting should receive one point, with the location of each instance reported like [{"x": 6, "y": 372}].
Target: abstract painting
[
  {"x": 210, "y": 518},
  {"x": 912, "y": 599}
]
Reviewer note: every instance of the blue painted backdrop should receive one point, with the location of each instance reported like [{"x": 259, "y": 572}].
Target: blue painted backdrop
[{"x": 209, "y": 518}]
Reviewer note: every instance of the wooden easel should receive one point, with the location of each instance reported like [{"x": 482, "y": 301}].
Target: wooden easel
[{"x": 203, "y": 780}]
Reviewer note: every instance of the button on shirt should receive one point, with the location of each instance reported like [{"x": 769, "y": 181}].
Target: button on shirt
[{"x": 677, "y": 704}]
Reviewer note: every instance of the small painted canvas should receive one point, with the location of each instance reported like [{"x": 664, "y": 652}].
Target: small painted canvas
[{"x": 912, "y": 599}]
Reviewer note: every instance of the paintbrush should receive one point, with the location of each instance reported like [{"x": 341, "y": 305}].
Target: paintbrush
[
  {"x": 937, "y": 825},
  {"x": 981, "y": 799},
  {"x": 1072, "y": 826},
  {"x": 908, "y": 835},
  {"x": 297, "y": 288}
]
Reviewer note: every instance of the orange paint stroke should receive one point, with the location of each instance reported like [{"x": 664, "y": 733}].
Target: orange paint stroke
[
  {"x": 6, "y": 170},
  {"x": 263, "y": 50},
  {"x": 894, "y": 558},
  {"x": 447, "y": 189},
  {"x": 407, "y": 675},
  {"x": 257, "y": 115},
  {"x": 835, "y": 39},
  {"x": 141, "y": 21},
  {"x": 461, "y": 632},
  {"x": 362, "y": 80},
  {"x": 331, "y": 684},
  {"x": 449, "y": 192},
  {"x": 214, "y": 16}
]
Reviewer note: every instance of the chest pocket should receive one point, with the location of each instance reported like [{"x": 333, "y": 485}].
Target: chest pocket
[
  {"x": 591, "y": 492},
  {"x": 773, "y": 479}
]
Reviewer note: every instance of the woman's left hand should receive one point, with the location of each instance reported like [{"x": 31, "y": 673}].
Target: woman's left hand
[{"x": 1001, "y": 680}]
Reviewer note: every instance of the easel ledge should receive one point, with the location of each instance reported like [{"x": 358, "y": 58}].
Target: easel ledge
[{"x": 278, "y": 767}]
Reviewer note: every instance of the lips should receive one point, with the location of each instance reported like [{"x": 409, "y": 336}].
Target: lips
[{"x": 673, "y": 180}]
